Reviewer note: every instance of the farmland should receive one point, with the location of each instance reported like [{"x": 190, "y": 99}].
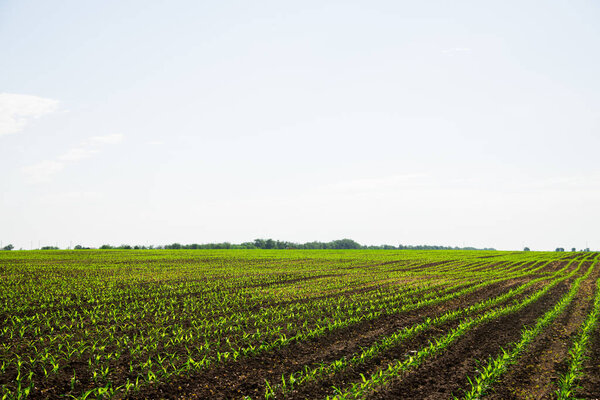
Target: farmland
[{"x": 296, "y": 324}]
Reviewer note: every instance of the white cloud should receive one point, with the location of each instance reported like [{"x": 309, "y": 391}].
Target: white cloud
[
  {"x": 155, "y": 142},
  {"x": 567, "y": 184},
  {"x": 456, "y": 51},
  {"x": 43, "y": 171},
  {"x": 17, "y": 109},
  {"x": 77, "y": 154},
  {"x": 107, "y": 139},
  {"x": 378, "y": 183},
  {"x": 67, "y": 197}
]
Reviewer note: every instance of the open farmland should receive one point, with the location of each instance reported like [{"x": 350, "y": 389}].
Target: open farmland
[{"x": 296, "y": 324}]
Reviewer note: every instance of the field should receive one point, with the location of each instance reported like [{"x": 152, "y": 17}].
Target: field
[{"x": 297, "y": 324}]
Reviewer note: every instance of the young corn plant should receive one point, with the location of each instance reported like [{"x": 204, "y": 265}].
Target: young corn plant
[
  {"x": 383, "y": 376},
  {"x": 498, "y": 366},
  {"x": 567, "y": 384}
]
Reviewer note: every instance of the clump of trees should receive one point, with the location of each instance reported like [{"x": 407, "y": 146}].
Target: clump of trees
[
  {"x": 270, "y": 244},
  {"x": 8, "y": 247}
]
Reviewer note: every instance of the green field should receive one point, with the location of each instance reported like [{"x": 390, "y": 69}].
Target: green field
[{"x": 298, "y": 324}]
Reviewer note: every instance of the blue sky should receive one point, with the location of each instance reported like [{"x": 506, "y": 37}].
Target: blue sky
[{"x": 148, "y": 122}]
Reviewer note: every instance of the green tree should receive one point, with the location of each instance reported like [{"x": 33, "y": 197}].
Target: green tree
[{"x": 344, "y": 244}]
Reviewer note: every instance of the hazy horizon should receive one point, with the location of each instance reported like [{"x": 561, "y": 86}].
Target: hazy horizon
[{"x": 454, "y": 124}]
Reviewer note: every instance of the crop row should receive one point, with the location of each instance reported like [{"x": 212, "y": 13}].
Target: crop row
[
  {"x": 126, "y": 320},
  {"x": 394, "y": 370}
]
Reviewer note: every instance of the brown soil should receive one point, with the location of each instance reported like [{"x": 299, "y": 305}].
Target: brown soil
[
  {"x": 247, "y": 377},
  {"x": 536, "y": 374},
  {"x": 447, "y": 374}
]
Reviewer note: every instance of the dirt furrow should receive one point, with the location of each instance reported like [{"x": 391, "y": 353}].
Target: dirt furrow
[
  {"x": 536, "y": 373},
  {"x": 590, "y": 382},
  {"x": 447, "y": 374},
  {"x": 247, "y": 376}
]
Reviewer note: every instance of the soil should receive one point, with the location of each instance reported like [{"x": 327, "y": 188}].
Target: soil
[
  {"x": 447, "y": 374},
  {"x": 247, "y": 376},
  {"x": 536, "y": 374},
  {"x": 436, "y": 378}
]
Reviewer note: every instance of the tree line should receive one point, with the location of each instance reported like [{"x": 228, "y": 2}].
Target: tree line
[
  {"x": 268, "y": 244},
  {"x": 341, "y": 244}
]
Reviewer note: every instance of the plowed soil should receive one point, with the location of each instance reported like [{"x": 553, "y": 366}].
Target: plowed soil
[
  {"x": 447, "y": 374},
  {"x": 536, "y": 374},
  {"x": 247, "y": 377}
]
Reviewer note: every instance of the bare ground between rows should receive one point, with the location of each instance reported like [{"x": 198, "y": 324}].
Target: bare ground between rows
[
  {"x": 247, "y": 377},
  {"x": 590, "y": 382},
  {"x": 536, "y": 374},
  {"x": 490, "y": 266},
  {"x": 447, "y": 374},
  {"x": 553, "y": 266},
  {"x": 324, "y": 387}
]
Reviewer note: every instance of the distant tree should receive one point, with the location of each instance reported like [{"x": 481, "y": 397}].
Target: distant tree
[
  {"x": 526, "y": 249},
  {"x": 78, "y": 247},
  {"x": 49, "y": 248},
  {"x": 560, "y": 249},
  {"x": 573, "y": 249},
  {"x": 8, "y": 248},
  {"x": 344, "y": 244},
  {"x": 106, "y": 247}
]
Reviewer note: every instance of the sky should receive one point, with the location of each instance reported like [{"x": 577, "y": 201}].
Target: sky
[{"x": 463, "y": 123}]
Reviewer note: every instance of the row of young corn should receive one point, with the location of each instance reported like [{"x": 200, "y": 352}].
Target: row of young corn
[
  {"x": 495, "y": 367},
  {"x": 568, "y": 383},
  {"x": 383, "y": 377},
  {"x": 105, "y": 352},
  {"x": 314, "y": 373},
  {"x": 165, "y": 335},
  {"x": 190, "y": 337}
]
